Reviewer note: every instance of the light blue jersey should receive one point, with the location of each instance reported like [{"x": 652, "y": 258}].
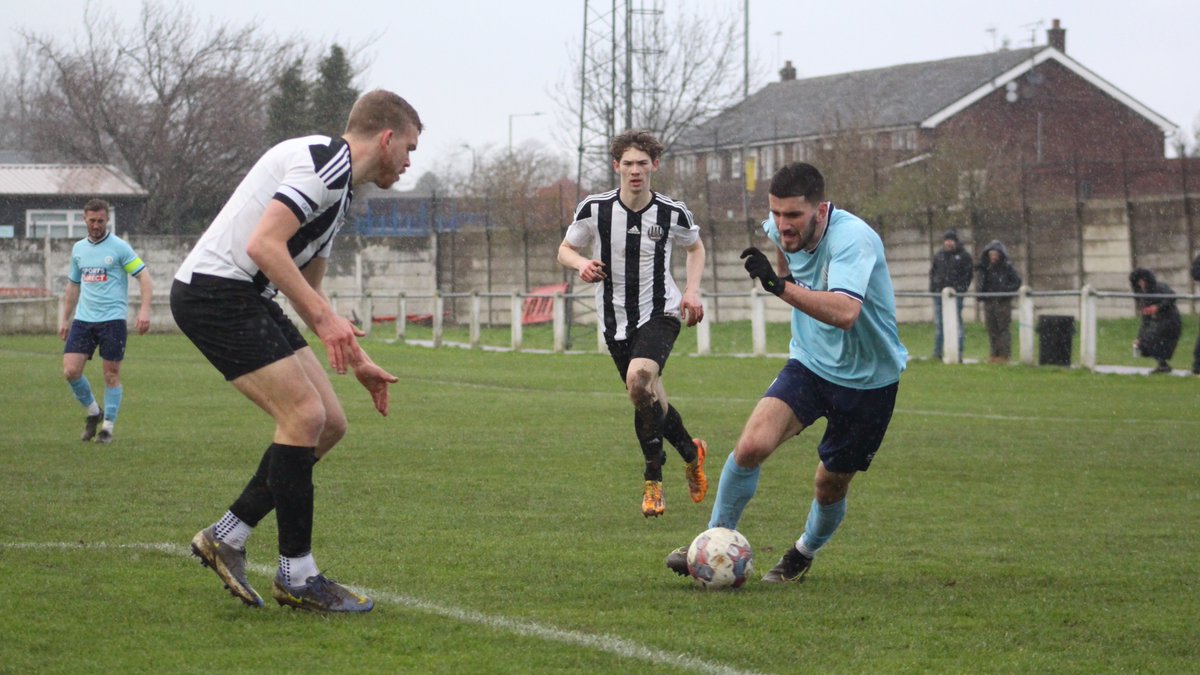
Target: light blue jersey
[
  {"x": 849, "y": 260},
  {"x": 100, "y": 269}
]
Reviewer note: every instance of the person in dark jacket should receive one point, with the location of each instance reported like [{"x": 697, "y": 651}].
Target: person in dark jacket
[
  {"x": 1196, "y": 352},
  {"x": 1161, "y": 323},
  {"x": 951, "y": 268},
  {"x": 997, "y": 275}
]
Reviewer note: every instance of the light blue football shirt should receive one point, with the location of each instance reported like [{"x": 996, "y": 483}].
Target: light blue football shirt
[
  {"x": 849, "y": 260},
  {"x": 100, "y": 269}
]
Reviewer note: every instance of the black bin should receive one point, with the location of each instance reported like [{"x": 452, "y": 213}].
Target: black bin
[{"x": 1054, "y": 346}]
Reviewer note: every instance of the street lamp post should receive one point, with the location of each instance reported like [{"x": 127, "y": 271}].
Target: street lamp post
[{"x": 510, "y": 120}]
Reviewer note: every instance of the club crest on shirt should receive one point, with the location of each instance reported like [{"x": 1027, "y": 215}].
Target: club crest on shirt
[{"x": 654, "y": 232}]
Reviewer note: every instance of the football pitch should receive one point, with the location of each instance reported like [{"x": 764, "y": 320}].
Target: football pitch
[{"x": 1016, "y": 519}]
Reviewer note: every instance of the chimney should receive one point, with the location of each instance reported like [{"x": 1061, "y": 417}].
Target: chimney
[
  {"x": 788, "y": 72},
  {"x": 1057, "y": 36}
]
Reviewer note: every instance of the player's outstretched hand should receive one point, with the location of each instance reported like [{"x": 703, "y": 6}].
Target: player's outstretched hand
[
  {"x": 759, "y": 267},
  {"x": 340, "y": 340},
  {"x": 375, "y": 380}
]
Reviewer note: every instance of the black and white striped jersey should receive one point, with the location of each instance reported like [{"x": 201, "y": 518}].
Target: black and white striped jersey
[
  {"x": 309, "y": 175},
  {"x": 635, "y": 248}
]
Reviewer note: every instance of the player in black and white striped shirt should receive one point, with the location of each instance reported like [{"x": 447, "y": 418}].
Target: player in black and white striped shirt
[
  {"x": 274, "y": 235},
  {"x": 631, "y": 233}
]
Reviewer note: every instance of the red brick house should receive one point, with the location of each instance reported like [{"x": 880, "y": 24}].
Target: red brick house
[{"x": 1036, "y": 109}]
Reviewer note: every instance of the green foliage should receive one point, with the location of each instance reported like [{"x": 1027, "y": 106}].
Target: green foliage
[
  {"x": 317, "y": 105},
  {"x": 288, "y": 114},
  {"x": 1015, "y": 520},
  {"x": 333, "y": 94}
]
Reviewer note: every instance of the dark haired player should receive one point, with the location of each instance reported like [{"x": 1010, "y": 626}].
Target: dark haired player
[{"x": 845, "y": 359}]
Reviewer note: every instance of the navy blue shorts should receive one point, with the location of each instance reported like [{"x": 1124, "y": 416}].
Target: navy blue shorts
[
  {"x": 233, "y": 325},
  {"x": 652, "y": 340},
  {"x": 857, "y": 418},
  {"x": 109, "y": 335}
]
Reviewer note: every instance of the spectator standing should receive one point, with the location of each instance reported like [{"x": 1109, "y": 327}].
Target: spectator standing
[
  {"x": 997, "y": 275},
  {"x": 951, "y": 268},
  {"x": 1161, "y": 323},
  {"x": 1196, "y": 352}
]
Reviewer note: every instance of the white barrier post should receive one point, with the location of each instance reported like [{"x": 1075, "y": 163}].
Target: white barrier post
[
  {"x": 950, "y": 327},
  {"x": 758, "y": 322},
  {"x": 1025, "y": 325},
  {"x": 475, "y": 307},
  {"x": 368, "y": 314},
  {"x": 438, "y": 303},
  {"x": 1087, "y": 327},
  {"x": 401, "y": 317},
  {"x": 560, "y": 323},
  {"x": 703, "y": 334},
  {"x": 516, "y": 307}
]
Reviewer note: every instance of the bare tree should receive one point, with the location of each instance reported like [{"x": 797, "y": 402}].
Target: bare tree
[
  {"x": 685, "y": 68},
  {"x": 180, "y": 107}
]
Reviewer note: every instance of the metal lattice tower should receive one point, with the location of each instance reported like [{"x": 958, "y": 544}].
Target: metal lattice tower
[{"x": 613, "y": 33}]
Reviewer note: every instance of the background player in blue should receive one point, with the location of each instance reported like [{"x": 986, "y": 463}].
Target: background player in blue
[
  {"x": 845, "y": 359},
  {"x": 95, "y": 309},
  {"x": 275, "y": 235}
]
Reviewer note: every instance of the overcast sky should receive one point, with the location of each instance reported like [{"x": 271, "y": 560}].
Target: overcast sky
[{"x": 467, "y": 65}]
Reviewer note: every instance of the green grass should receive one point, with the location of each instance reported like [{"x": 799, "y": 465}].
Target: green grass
[{"x": 1016, "y": 520}]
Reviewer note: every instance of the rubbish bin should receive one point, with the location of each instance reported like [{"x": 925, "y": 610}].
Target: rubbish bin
[{"x": 1054, "y": 346}]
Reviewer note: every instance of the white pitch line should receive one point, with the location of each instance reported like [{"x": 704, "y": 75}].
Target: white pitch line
[
  {"x": 604, "y": 643},
  {"x": 750, "y": 400}
]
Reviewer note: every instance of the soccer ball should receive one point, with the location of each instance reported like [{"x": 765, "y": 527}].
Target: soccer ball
[{"x": 720, "y": 558}]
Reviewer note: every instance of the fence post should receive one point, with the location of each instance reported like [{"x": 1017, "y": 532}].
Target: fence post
[
  {"x": 703, "y": 334},
  {"x": 401, "y": 317},
  {"x": 1087, "y": 327},
  {"x": 560, "y": 323},
  {"x": 518, "y": 335},
  {"x": 758, "y": 322},
  {"x": 368, "y": 314},
  {"x": 950, "y": 327},
  {"x": 475, "y": 306},
  {"x": 1025, "y": 325},
  {"x": 438, "y": 303}
]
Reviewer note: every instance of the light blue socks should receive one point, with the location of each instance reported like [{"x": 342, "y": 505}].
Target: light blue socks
[
  {"x": 822, "y": 522},
  {"x": 83, "y": 392},
  {"x": 112, "y": 402},
  {"x": 734, "y": 491}
]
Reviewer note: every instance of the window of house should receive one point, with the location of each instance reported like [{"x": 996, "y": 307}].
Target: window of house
[
  {"x": 971, "y": 184},
  {"x": 60, "y": 224},
  {"x": 798, "y": 154},
  {"x": 712, "y": 165},
  {"x": 685, "y": 166},
  {"x": 766, "y": 161},
  {"x": 904, "y": 140},
  {"x": 735, "y": 164}
]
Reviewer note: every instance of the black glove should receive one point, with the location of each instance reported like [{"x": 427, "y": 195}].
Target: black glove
[{"x": 759, "y": 267}]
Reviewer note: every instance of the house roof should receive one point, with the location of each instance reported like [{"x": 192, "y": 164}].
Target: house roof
[
  {"x": 99, "y": 180},
  {"x": 898, "y": 97}
]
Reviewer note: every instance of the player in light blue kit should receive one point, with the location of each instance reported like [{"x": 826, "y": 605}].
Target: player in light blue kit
[
  {"x": 100, "y": 288},
  {"x": 845, "y": 359}
]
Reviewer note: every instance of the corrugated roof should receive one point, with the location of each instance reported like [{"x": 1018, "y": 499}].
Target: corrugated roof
[
  {"x": 67, "y": 179},
  {"x": 896, "y": 96}
]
